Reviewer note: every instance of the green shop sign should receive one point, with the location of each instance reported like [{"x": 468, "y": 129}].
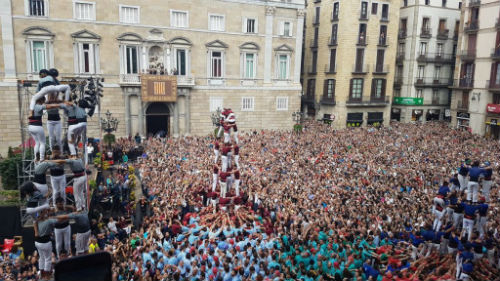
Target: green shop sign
[{"x": 408, "y": 101}]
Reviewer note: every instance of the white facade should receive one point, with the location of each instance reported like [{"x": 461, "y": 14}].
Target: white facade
[
  {"x": 426, "y": 56},
  {"x": 480, "y": 87}
]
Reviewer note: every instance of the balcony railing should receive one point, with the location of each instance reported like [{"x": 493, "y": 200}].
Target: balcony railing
[
  {"x": 368, "y": 101},
  {"x": 328, "y": 101},
  {"x": 493, "y": 86},
  {"x": 472, "y": 26},
  {"x": 363, "y": 16},
  {"x": 425, "y": 32},
  {"x": 463, "y": 83},
  {"x": 398, "y": 80},
  {"x": 382, "y": 41},
  {"x": 474, "y": 3},
  {"x": 436, "y": 58},
  {"x": 308, "y": 98},
  {"x": 332, "y": 41},
  {"x": 130, "y": 78},
  {"x": 316, "y": 20},
  {"x": 384, "y": 18},
  {"x": 433, "y": 82},
  {"x": 468, "y": 55},
  {"x": 455, "y": 36},
  {"x": 362, "y": 40},
  {"x": 381, "y": 69},
  {"x": 330, "y": 69},
  {"x": 443, "y": 34},
  {"x": 314, "y": 43},
  {"x": 461, "y": 105},
  {"x": 495, "y": 54},
  {"x": 335, "y": 17},
  {"x": 400, "y": 56},
  {"x": 402, "y": 34},
  {"x": 135, "y": 79},
  {"x": 360, "y": 69}
]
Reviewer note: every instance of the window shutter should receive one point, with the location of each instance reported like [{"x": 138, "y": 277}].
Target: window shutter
[
  {"x": 325, "y": 88},
  {"x": 244, "y": 25},
  {"x": 282, "y": 28},
  {"x": 383, "y": 87},
  {"x": 473, "y": 68},
  {"x": 333, "y": 88},
  {"x": 291, "y": 28},
  {"x": 374, "y": 87},
  {"x": 75, "y": 57},
  {"x": 350, "y": 88},
  {"x": 362, "y": 86},
  {"x": 256, "y": 25},
  {"x": 493, "y": 73}
]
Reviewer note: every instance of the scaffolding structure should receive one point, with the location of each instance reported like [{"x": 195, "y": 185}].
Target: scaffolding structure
[{"x": 26, "y": 89}]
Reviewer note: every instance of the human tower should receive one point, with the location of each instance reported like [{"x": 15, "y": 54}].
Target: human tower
[
  {"x": 48, "y": 206},
  {"x": 226, "y": 168}
]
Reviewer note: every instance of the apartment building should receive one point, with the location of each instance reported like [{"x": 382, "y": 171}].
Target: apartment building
[
  {"x": 349, "y": 55},
  {"x": 425, "y": 59},
  {"x": 211, "y": 54},
  {"x": 475, "y": 102}
]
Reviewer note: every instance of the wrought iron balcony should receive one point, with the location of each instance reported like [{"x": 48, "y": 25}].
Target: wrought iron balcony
[
  {"x": 474, "y": 3},
  {"x": 463, "y": 83},
  {"x": 362, "y": 40},
  {"x": 381, "y": 69},
  {"x": 335, "y": 17},
  {"x": 425, "y": 32},
  {"x": 330, "y": 69},
  {"x": 332, "y": 41},
  {"x": 493, "y": 86},
  {"x": 368, "y": 101},
  {"x": 402, "y": 34},
  {"x": 400, "y": 56},
  {"x": 495, "y": 54},
  {"x": 468, "y": 55},
  {"x": 433, "y": 82},
  {"x": 436, "y": 58},
  {"x": 382, "y": 41},
  {"x": 443, "y": 34},
  {"x": 471, "y": 27},
  {"x": 463, "y": 106},
  {"x": 360, "y": 69},
  {"x": 314, "y": 43}
]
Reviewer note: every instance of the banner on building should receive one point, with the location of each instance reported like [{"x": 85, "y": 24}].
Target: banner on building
[
  {"x": 158, "y": 88},
  {"x": 408, "y": 101},
  {"x": 493, "y": 108}
]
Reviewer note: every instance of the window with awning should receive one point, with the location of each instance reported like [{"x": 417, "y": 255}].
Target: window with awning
[
  {"x": 355, "y": 119},
  {"x": 375, "y": 118}
]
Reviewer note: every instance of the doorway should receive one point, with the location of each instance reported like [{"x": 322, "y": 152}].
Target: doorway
[{"x": 157, "y": 119}]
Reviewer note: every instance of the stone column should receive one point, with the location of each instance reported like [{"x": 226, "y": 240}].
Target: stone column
[
  {"x": 298, "y": 45},
  {"x": 176, "y": 119},
  {"x": 141, "y": 120},
  {"x": 7, "y": 31},
  {"x": 268, "y": 51},
  {"x": 187, "y": 111},
  {"x": 128, "y": 121}
]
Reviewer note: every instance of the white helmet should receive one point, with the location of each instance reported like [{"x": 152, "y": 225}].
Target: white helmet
[{"x": 231, "y": 118}]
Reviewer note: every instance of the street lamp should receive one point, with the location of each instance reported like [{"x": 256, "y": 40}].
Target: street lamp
[
  {"x": 297, "y": 117},
  {"x": 109, "y": 124}
]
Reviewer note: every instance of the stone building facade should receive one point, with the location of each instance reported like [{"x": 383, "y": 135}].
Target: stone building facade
[
  {"x": 475, "y": 104},
  {"x": 425, "y": 60},
  {"x": 242, "y": 54},
  {"x": 349, "y": 55}
]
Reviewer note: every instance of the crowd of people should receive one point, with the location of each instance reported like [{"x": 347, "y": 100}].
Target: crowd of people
[
  {"x": 354, "y": 204},
  {"x": 404, "y": 202}
]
